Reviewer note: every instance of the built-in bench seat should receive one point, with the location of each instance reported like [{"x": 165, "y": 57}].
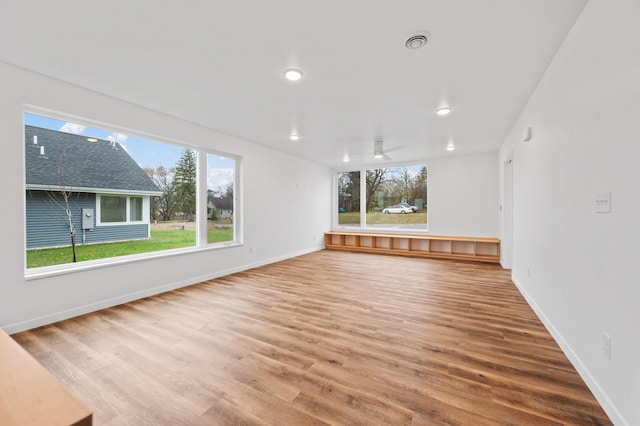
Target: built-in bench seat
[{"x": 418, "y": 245}]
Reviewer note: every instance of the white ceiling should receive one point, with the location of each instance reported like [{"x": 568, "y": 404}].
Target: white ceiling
[{"x": 219, "y": 63}]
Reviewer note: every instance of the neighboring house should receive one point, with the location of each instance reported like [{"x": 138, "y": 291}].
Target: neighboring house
[
  {"x": 222, "y": 206},
  {"x": 110, "y": 192}
]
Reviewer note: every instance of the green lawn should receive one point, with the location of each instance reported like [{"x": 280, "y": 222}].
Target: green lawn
[
  {"x": 160, "y": 240},
  {"x": 353, "y": 218}
]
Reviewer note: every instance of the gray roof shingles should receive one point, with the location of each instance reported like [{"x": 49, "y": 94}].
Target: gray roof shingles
[{"x": 73, "y": 162}]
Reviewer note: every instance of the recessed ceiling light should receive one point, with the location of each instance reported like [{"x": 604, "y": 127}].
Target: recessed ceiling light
[
  {"x": 92, "y": 140},
  {"x": 345, "y": 158},
  {"x": 294, "y": 137},
  {"x": 451, "y": 147},
  {"x": 443, "y": 111},
  {"x": 292, "y": 74}
]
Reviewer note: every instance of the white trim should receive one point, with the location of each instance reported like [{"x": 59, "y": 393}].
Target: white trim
[
  {"x": 614, "y": 415},
  {"x": 68, "y": 268},
  {"x": 53, "y": 188},
  {"x": 236, "y": 214},
  {"x": 202, "y": 172}
]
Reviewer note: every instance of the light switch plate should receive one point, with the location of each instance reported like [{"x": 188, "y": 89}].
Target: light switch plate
[{"x": 603, "y": 202}]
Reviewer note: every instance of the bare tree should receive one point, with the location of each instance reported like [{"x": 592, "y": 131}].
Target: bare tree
[
  {"x": 349, "y": 191},
  {"x": 375, "y": 178},
  {"x": 65, "y": 191},
  {"x": 165, "y": 203},
  {"x": 404, "y": 181}
]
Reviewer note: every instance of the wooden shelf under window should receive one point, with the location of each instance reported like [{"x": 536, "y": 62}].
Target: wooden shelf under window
[{"x": 437, "y": 246}]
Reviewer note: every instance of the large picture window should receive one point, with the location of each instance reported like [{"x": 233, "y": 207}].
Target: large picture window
[
  {"x": 392, "y": 198},
  {"x": 94, "y": 194}
]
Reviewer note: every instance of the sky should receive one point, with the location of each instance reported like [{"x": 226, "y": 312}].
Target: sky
[{"x": 146, "y": 153}]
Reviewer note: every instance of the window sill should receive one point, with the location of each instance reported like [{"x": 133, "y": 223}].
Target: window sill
[
  {"x": 70, "y": 268},
  {"x": 390, "y": 230}
]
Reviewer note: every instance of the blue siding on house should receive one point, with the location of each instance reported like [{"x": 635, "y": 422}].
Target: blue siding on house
[{"x": 47, "y": 224}]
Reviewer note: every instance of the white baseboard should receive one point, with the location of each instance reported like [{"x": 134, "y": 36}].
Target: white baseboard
[
  {"x": 93, "y": 307},
  {"x": 607, "y": 405}
]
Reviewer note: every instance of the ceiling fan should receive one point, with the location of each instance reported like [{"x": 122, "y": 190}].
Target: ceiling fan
[{"x": 378, "y": 151}]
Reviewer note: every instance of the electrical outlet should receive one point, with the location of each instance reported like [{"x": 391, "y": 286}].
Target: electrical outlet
[{"x": 606, "y": 345}]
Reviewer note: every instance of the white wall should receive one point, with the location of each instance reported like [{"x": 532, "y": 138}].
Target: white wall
[
  {"x": 578, "y": 268},
  {"x": 270, "y": 180},
  {"x": 463, "y": 195}
]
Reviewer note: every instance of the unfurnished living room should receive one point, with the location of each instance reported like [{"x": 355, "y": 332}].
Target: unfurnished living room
[{"x": 418, "y": 212}]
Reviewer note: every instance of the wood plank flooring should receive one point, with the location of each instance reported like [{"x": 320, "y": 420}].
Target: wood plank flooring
[{"x": 327, "y": 338}]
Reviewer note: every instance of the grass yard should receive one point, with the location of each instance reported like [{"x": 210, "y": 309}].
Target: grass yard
[
  {"x": 353, "y": 218},
  {"x": 160, "y": 240}
]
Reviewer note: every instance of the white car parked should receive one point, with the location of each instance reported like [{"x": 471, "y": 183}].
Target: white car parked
[
  {"x": 398, "y": 208},
  {"x": 414, "y": 208}
]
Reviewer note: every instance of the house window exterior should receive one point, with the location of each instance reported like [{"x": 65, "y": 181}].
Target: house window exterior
[
  {"x": 113, "y": 209},
  {"x": 135, "y": 209},
  {"x": 121, "y": 209}
]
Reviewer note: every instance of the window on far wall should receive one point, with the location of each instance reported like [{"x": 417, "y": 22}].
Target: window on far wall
[
  {"x": 95, "y": 194},
  {"x": 394, "y": 198}
]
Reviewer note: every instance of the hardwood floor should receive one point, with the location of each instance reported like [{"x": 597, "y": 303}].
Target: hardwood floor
[{"x": 327, "y": 338}]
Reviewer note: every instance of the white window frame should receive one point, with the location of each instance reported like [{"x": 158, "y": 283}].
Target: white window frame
[
  {"x": 201, "y": 235},
  {"x": 203, "y": 204},
  {"x": 363, "y": 202}
]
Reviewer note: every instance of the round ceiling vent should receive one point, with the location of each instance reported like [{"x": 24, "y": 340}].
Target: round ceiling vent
[{"x": 416, "y": 41}]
